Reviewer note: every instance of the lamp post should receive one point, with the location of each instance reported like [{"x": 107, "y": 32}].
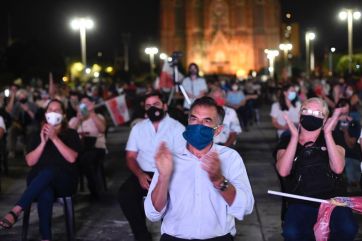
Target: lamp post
[
  {"x": 285, "y": 47},
  {"x": 82, "y": 24},
  {"x": 309, "y": 52},
  {"x": 349, "y": 15},
  {"x": 271, "y": 54},
  {"x": 151, "y": 51},
  {"x": 330, "y": 58}
]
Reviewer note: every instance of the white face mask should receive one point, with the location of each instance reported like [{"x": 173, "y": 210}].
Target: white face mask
[{"x": 53, "y": 118}]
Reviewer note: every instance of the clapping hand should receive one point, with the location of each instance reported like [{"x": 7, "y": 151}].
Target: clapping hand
[
  {"x": 164, "y": 161},
  {"x": 293, "y": 130},
  {"x": 211, "y": 164},
  {"x": 332, "y": 121},
  {"x": 49, "y": 131}
]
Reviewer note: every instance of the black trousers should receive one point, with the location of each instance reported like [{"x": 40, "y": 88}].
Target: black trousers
[
  {"x": 227, "y": 237},
  {"x": 131, "y": 197}
]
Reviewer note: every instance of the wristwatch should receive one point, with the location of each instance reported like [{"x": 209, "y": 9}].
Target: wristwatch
[{"x": 224, "y": 185}]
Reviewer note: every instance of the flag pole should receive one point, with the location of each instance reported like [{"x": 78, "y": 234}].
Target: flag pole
[{"x": 283, "y": 194}]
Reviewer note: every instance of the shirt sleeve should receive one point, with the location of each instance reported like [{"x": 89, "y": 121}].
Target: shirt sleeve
[
  {"x": 244, "y": 200},
  {"x": 234, "y": 122},
  {"x": 274, "y": 110},
  {"x": 2, "y": 123},
  {"x": 132, "y": 140},
  {"x": 151, "y": 213}
]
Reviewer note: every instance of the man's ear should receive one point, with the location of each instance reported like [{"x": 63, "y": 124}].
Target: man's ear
[{"x": 218, "y": 130}]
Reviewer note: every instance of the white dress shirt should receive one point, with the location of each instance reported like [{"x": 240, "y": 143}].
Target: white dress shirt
[
  {"x": 230, "y": 124},
  {"x": 195, "y": 87},
  {"x": 195, "y": 209},
  {"x": 144, "y": 140}
]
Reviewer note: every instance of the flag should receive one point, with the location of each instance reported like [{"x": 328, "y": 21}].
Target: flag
[
  {"x": 118, "y": 110},
  {"x": 321, "y": 228},
  {"x": 165, "y": 81}
]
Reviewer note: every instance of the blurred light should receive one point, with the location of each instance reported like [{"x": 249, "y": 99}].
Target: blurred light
[
  {"x": 358, "y": 66},
  {"x": 240, "y": 73},
  {"x": 169, "y": 59},
  {"x": 264, "y": 78},
  {"x": 288, "y": 15},
  {"x": 65, "y": 79},
  {"x": 310, "y": 35},
  {"x": 201, "y": 73},
  {"x": 254, "y": 73},
  {"x": 82, "y": 23},
  {"x": 357, "y": 15},
  {"x": 88, "y": 70},
  {"x": 7, "y": 93},
  {"x": 96, "y": 74},
  {"x": 99, "y": 54},
  {"x": 271, "y": 53},
  {"x": 109, "y": 69},
  {"x": 163, "y": 56},
  {"x": 333, "y": 49},
  {"x": 96, "y": 68},
  {"x": 78, "y": 66},
  {"x": 286, "y": 46},
  {"x": 289, "y": 27},
  {"x": 343, "y": 15},
  {"x": 151, "y": 50}
]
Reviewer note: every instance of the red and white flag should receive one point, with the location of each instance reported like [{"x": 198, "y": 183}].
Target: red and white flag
[
  {"x": 118, "y": 110},
  {"x": 165, "y": 81}
]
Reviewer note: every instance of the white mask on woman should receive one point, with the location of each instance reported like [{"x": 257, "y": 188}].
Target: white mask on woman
[{"x": 53, "y": 118}]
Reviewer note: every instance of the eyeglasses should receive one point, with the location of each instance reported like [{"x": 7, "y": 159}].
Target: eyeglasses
[{"x": 315, "y": 113}]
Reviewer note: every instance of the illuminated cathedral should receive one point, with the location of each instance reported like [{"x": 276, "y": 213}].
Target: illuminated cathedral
[{"x": 221, "y": 36}]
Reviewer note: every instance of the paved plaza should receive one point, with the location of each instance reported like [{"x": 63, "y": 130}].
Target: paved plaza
[{"x": 103, "y": 220}]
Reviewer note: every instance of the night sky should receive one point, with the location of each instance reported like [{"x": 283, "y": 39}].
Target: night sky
[{"x": 47, "y": 22}]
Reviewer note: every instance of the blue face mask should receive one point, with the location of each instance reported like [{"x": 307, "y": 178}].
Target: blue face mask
[
  {"x": 292, "y": 95},
  {"x": 199, "y": 136}
]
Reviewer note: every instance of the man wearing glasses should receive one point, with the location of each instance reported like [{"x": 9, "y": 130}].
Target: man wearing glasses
[
  {"x": 199, "y": 191},
  {"x": 144, "y": 139}
]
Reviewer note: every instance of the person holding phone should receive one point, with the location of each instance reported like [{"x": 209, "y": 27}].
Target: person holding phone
[
  {"x": 91, "y": 128},
  {"x": 51, "y": 155}
]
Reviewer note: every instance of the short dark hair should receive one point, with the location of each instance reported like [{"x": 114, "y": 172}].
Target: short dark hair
[
  {"x": 209, "y": 102},
  {"x": 154, "y": 93}
]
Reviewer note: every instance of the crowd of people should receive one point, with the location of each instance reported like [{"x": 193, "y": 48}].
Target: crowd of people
[{"x": 185, "y": 169}]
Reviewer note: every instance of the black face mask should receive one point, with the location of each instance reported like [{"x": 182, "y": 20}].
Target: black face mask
[
  {"x": 23, "y": 101},
  {"x": 155, "y": 114},
  {"x": 311, "y": 123}
]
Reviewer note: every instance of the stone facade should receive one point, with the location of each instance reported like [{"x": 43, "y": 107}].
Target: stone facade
[{"x": 221, "y": 36}]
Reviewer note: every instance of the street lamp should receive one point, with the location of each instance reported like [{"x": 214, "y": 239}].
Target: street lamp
[
  {"x": 349, "y": 15},
  {"x": 151, "y": 51},
  {"x": 270, "y": 55},
  {"x": 309, "y": 36},
  {"x": 330, "y": 58},
  {"x": 285, "y": 47},
  {"x": 82, "y": 24}
]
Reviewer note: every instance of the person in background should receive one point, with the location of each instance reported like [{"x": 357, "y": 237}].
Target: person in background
[
  {"x": 23, "y": 113},
  {"x": 231, "y": 125},
  {"x": 73, "y": 104},
  {"x": 91, "y": 128},
  {"x": 199, "y": 191},
  {"x": 141, "y": 147},
  {"x": 237, "y": 100},
  {"x": 287, "y": 103},
  {"x": 194, "y": 85},
  {"x": 52, "y": 154}
]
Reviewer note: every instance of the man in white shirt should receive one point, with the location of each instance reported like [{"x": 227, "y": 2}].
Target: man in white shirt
[
  {"x": 144, "y": 139},
  {"x": 231, "y": 125},
  {"x": 194, "y": 85},
  {"x": 200, "y": 191}
]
